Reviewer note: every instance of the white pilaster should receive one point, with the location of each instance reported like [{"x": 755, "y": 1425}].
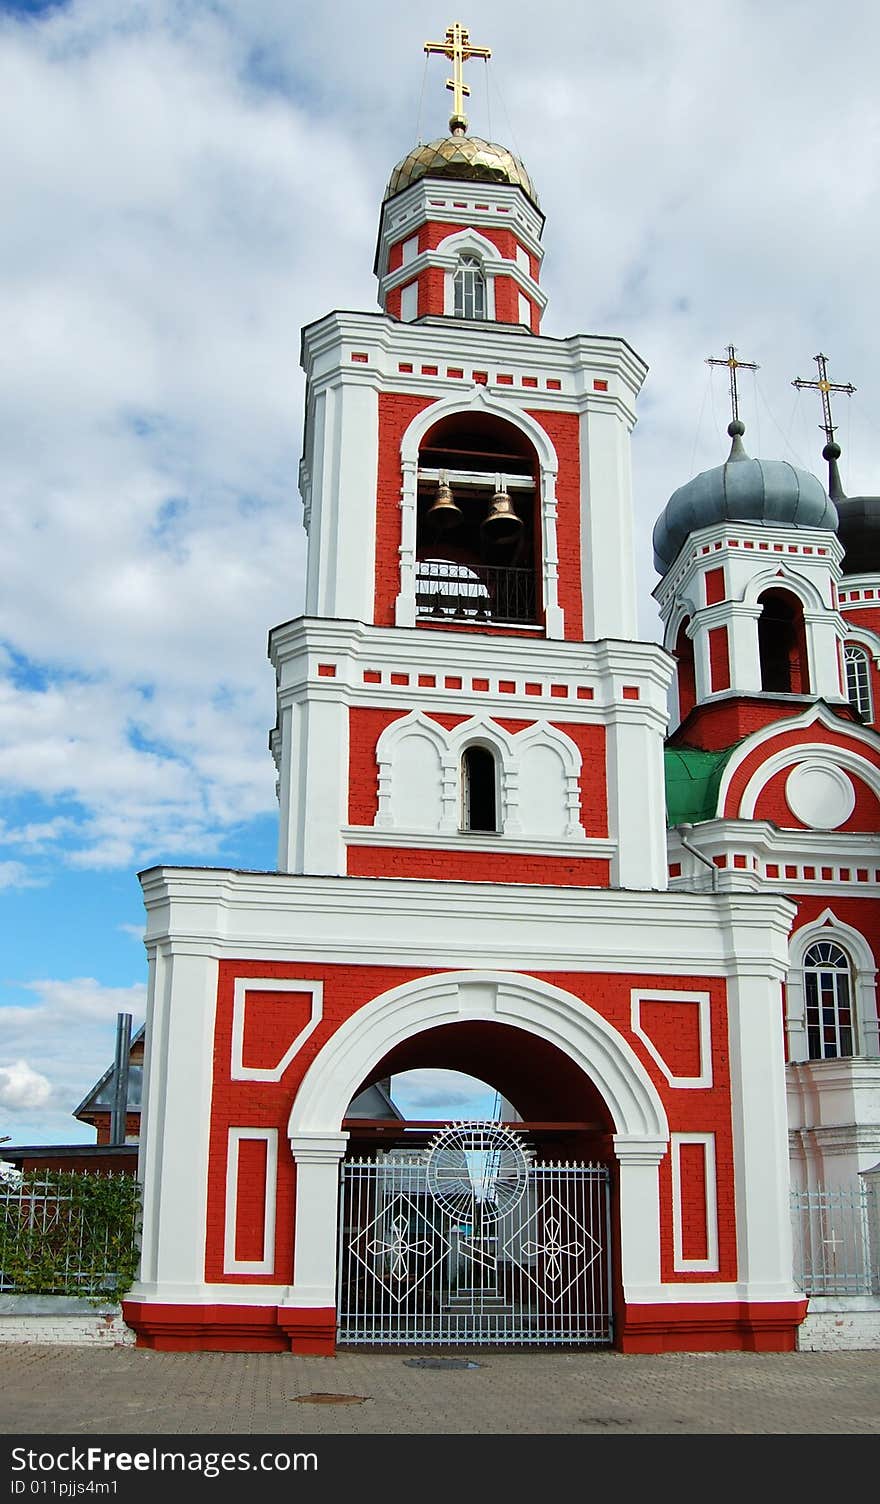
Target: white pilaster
[
  {"x": 608, "y": 582},
  {"x": 317, "y": 1159},
  {"x": 174, "y": 1150},
  {"x": 639, "y": 1179}
]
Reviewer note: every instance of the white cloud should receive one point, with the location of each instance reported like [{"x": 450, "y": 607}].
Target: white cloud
[
  {"x": 66, "y": 1031},
  {"x": 23, "y": 1089}
]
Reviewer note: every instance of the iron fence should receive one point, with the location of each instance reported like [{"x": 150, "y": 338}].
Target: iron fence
[
  {"x": 836, "y": 1243},
  {"x": 479, "y": 593},
  {"x": 69, "y": 1234}
]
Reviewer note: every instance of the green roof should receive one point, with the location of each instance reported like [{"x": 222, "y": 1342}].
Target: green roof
[{"x": 692, "y": 780}]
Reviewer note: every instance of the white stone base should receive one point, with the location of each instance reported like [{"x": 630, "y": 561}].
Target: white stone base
[
  {"x": 42, "y": 1319},
  {"x": 840, "y": 1323}
]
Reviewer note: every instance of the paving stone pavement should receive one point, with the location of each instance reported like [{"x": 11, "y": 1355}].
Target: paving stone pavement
[{"x": 128, "y": 1391}]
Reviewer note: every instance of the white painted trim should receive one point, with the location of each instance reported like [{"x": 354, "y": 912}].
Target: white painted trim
[
  {"x": 505, "y": 998},
  {"x": 265, "y": 1265},
  {"x": 822, "y": 753},
  {"x": 815, "y": 714},
  {"x": 862, "y": 637},
  {"x": 703, "y": 1000},
  {"x": 238, "y": 1070},
  {"x": 778, "y": 575},
  {"x": 708, "y": 1265}
]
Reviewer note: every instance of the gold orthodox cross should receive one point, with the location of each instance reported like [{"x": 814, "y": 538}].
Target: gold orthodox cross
[
  {"x": 458, "y": 49},
  {"x": 733, "y": 365},
  {"x": 825, "y": 386}
]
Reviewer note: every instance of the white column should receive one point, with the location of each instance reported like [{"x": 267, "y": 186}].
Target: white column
[
  {"x": 174, "y": 1155},
  {"x": 608, "y": 580},
  {"x": 405, "y": 605},
  {"x": 639, "y": 1161},
  {"x": 742, "y": 641},
  {"x": 319, "y": 788},
  {"x": 554, "y": 616},
  {"x": 636, "y": 802},
  {"x": 760, "y": 1135},
  {"x": 824, "y": 632},
  {"x": 316, "y": 1229}
]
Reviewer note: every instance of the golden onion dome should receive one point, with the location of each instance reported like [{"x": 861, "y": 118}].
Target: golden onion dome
[{"x": 464, "y": 158}]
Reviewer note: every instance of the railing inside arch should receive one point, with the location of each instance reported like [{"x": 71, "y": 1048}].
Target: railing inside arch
[
  {"x": 479, "y": 593},
  {"x": 470, "y": 1243}
]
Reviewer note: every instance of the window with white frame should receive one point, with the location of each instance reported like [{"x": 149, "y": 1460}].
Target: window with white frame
[
  {"x": 858, "y": 680},
  {"x": 828, "y": 998},
  {"x": 469, "y": 287},
  {"x": 479, "y": 789}
]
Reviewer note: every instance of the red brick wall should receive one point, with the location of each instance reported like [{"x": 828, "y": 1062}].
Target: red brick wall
[
  {"x": 563, "y": 430},
  {"x": 396, "y": 412},
  {"x": 714, "y": 585},
  {"x": 367, "y": 724},
  {"x": 772, "y": 805},
  {"x": 715, "y": 726},
  {"x": 447, "y": 865},
  {"x": 719, "y": 659},
  {"x": 250, "y": 1104},
  {"x": 786, "y": 739}
]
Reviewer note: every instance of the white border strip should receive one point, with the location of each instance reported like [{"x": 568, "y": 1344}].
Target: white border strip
[
  {"x": 243, "y": 985},
  {"x": 679, "y": 1262},
  {"x": 704, "y": 1079},
  {"x": 265, "y": 1265}
]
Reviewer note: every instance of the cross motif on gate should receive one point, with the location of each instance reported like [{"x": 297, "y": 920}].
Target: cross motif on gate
[
  {"x": 399, "y": 1247},
  {"x": 552, "y": 1248},
  {"x": 833, "y": 1243}
]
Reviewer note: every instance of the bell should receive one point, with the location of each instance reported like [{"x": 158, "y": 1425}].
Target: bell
[
  {"x": 501, "y": 521},
  {"x": 443, "y": 513}
]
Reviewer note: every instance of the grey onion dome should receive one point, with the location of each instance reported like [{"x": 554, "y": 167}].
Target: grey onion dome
[
  {"x": 859, "y": 524},
  {"x": 771, "y": 493}
]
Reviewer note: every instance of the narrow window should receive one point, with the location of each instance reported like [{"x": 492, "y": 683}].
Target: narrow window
[
  {"x": 828, "y": 990},
  {"x": 478, "y": 796},
  {"x": 858, "y": 681},
  {"x": 470, "y": 289},
  {"x": 782, "y": 645}
]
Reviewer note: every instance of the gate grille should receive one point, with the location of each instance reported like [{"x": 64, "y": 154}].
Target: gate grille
[{"x": 535, "y": 1273}]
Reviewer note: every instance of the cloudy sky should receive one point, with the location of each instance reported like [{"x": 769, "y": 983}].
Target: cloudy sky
[{"x": 185, "y": 184}]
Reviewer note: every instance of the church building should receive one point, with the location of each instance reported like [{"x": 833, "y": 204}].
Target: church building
[{"x": 653, "y": 934}]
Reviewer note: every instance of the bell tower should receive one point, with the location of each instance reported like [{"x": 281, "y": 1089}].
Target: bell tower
[{"x": 464, "y": 694}]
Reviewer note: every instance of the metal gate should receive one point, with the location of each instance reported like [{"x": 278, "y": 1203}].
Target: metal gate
[{"x": 472, "y": 1243}]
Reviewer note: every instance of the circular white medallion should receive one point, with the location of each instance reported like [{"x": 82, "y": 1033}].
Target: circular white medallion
[
  {"x": 820, "y": 795},
  {"x": 477, "y": 1171}
]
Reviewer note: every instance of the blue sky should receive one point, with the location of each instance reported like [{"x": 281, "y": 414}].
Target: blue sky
[{"x": 187, "y": 184}]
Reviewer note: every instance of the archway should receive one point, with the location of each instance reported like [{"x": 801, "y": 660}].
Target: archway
[{"x": 543, "y": 1048}]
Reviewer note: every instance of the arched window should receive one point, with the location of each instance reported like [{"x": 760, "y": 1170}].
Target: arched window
[
  {"x": 782, "y": 644},
  {"x": 469, "y": 285},
  {"x": 479, "y": 798},
  {"x": 828, "y": 994},
  {"x": 858, "y": 680}
]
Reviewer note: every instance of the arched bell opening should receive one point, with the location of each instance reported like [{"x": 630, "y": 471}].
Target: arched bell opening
[
  {"x": 782, "y": 644},
  {"x": 478, "y": 522}
]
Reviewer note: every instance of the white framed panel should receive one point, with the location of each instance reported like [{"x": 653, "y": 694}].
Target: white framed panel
[
  {"x": 703, "y": 1001},
  {"x": 265, "y": 1265},
  {"x": 709, "y": 1264},
  {"x": 243, "y": 985}
]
